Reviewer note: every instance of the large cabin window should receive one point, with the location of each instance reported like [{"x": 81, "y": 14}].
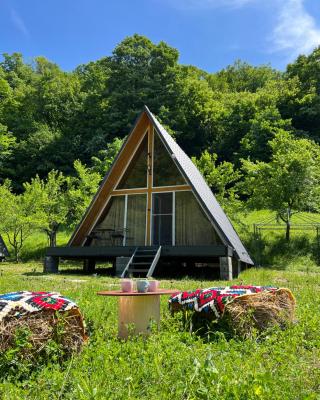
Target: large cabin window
[
  {"x": 165, "y": 172},
  {"x": 192, "y": 225},
  {"x": 124, "y": 223},
  {"x": 112, "y": 224},
  {"x": 136, "y": 173}
]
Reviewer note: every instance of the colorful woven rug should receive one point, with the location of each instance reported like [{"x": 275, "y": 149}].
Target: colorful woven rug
[
  {"x": 212, "y": 301},
  {"x": 17, "y": 304}
]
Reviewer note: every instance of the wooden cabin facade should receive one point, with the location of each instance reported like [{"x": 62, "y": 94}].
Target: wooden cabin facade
[{"x": 153, "y": 206}]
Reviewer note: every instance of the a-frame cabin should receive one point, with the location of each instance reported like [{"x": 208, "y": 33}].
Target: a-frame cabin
[{"x": 154, "y": 205}]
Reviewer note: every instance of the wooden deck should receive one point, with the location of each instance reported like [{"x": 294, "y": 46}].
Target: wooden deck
[{"x": 110, "y": 253}]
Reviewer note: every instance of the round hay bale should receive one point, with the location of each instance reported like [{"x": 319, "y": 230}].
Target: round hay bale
[
  {"x": 40, "y": 318},
  {"x": 259, "y": 311}
]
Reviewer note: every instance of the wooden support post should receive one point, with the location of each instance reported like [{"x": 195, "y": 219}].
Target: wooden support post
[
  {"x": 226, "y": 268},
  {"x": 89, "y": 266},
  {"x": 51, "y": 265}
]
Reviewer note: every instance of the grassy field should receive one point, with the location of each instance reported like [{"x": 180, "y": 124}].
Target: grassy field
[{"x": 173, "y": 363}]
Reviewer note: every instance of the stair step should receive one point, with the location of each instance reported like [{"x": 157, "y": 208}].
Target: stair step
[
  {"x": 144, "y": 257},
  {"x": 138, "y": 270},
  {"x": 142, "y": 260},
  {"x": 140, "y": 263},
  {"x": 146, "y": 250}
]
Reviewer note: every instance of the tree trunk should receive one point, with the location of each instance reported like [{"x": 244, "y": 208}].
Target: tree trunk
[
  {"x": 53, "y": 238},
  {"x": 288, "y": 232},
  {"x": 16, "y": 254}
]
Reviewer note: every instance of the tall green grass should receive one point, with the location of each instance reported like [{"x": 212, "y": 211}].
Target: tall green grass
[
  {"x": 173, "y": 363},
  {"x": 272, "y": 250}
]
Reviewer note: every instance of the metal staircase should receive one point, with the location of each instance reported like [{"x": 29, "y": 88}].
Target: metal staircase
[{"x": 142, "y": 262}]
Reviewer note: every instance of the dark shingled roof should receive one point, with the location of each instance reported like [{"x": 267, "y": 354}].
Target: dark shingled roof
[{"x": 202, "y": 192}]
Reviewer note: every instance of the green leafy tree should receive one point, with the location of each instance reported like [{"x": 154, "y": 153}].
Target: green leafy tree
[
  {"x": 241, "y": 76},
  {"x": 305, "y": 107},
  {"x": 264, "y": 125},
  {"x": 290, "y": 182},
  {"x": 223, "y": 180},
  {"x": 81, "y": 189},
  {"x": 7, "y": 142},
  {"x": 141, "y": 72},
  {"x": 103, "y": 162},
  {"x": 221, "y": 177},
  {"x": 50, "y": 198},
  {"x": 19, "y": 217}
]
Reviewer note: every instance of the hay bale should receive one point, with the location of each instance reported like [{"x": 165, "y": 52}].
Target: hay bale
[
  {"x": 35, "y": 316},
  {"x": 65, "y": 328},
  {"x": 257, "y": 312}
]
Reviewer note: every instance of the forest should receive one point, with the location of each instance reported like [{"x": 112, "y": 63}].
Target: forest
[{"x": 253, "y": 131}]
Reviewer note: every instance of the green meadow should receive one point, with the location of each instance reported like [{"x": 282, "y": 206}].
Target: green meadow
[{"x": 174, "y": 363}]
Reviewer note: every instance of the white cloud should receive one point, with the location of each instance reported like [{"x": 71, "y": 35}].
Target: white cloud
[
  {"x": 293, "y": 30},
  {"x": 19, "y": 23},
  {"x": 296, "y": 31}
]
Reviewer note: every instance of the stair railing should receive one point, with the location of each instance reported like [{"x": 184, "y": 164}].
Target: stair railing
[
  {"x": 128, "y": 264},
  {"x": 154, "y": 262}
]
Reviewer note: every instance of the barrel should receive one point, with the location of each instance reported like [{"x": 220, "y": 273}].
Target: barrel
[{"x": 51, "y": 264}]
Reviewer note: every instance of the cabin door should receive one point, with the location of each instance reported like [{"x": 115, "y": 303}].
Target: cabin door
[{"x": 162, "y": 219}]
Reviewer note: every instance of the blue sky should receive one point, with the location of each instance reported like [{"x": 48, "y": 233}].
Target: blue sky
[{"x": 208, "y": 33}]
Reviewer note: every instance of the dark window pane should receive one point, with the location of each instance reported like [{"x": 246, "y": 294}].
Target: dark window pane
[
  {"x": 192, "y": 225},
  {"x": 162, "y": 219},
  {"x": 162, "y": 203},
  {"x": 136, "y": 220},
  {"x": 136, "y": 174},
  {"x": 165, "y": 172}
]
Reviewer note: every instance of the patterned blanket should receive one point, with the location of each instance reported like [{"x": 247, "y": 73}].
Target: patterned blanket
[
  {"x": 212, "y": 301},
  {"x": 17, "y": 304}
]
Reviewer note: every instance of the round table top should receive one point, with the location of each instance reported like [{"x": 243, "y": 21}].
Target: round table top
[{"x": 121, "y": 293}]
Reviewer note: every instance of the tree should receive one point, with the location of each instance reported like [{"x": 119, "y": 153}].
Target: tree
[
  {"x": 50, "y": 199},
  {"x": 103, "y": 162},
  {"x": 290, "y": 182},
  {"x": 263, "y": 127},
  {"x": 241, "y": 76},
  {"x": 141, "y": 72},
  {"x": 305, "y": 107},
  {"x": 18, "y": 217},
  {"x": 222, "y": 178},
  {"x": 81, "y": 189},
  {"x": 7, "y": 142}
]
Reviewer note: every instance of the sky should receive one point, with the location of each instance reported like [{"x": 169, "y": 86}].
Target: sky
[{"x": 209, "y": 34}]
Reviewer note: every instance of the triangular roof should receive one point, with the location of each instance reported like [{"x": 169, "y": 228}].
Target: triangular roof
[{"x": 192, "y": 176}]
